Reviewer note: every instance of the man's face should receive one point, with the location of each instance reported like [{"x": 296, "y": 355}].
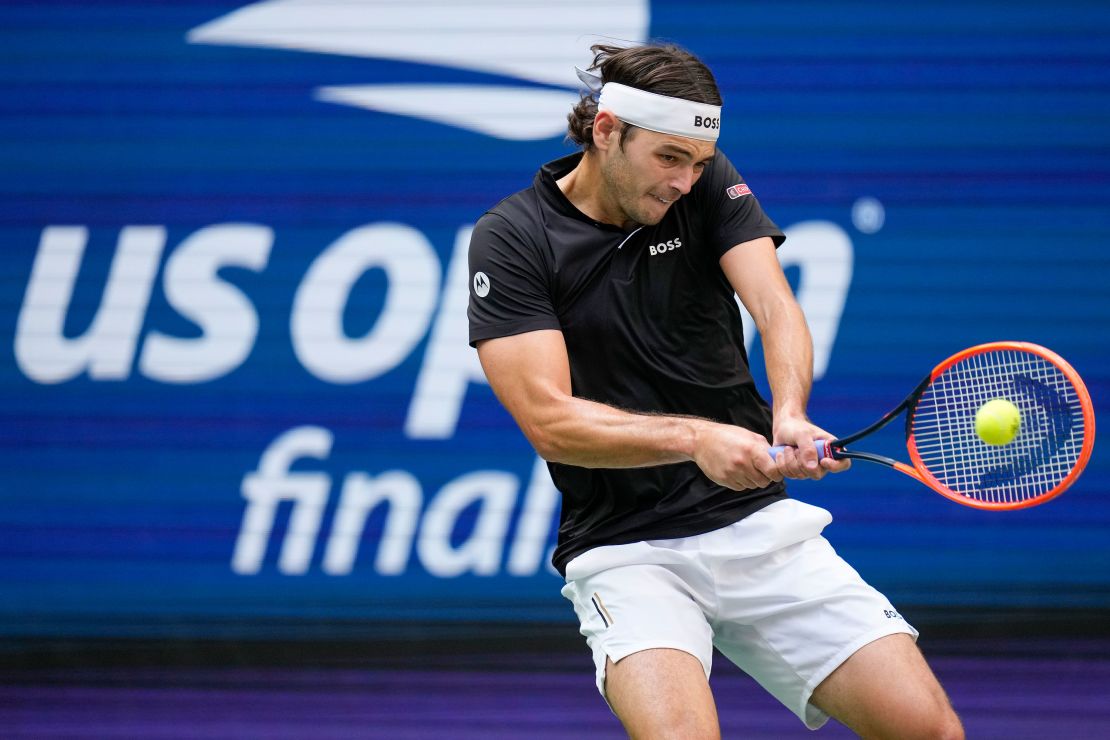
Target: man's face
[{"x": 651, "y": 171}]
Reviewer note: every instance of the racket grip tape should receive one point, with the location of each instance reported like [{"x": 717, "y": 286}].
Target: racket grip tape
[{"x": 822, "y": 446}]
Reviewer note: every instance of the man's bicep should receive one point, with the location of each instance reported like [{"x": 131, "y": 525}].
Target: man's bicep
[{"x": 529, "y": 373}]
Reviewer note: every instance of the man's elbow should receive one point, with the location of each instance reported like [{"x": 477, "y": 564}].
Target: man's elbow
[
  {"x": 554, "y": 440},
  {"x": 545, "y": 425},
  {"x": 546, "y": 444}
]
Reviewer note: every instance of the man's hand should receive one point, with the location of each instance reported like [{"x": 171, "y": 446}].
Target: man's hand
[
  {"x": 734, "y": 457},
  {"x": 799, "y": 459}
]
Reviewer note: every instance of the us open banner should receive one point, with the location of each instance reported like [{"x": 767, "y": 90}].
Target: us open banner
[{"x": 236, "y": 389}]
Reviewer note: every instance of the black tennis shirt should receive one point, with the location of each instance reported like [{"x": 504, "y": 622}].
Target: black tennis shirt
[{"x": 651, "y": 325}]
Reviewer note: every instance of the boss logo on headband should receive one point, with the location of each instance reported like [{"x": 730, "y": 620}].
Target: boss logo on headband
[{"x": 707, "y": 122}]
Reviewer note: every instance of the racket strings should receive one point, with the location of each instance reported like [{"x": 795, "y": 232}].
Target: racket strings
[{"x": 1048, "y": 444}]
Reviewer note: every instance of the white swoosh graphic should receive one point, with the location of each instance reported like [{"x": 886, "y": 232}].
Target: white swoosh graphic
[
  {"x": 513, "y": 113},
  {"x": 536, "y": 40}
]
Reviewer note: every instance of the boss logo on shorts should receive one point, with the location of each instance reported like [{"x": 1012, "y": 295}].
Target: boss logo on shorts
[
  {"x": 667, "y": 246},
  {"x": 891, "y": 614},
  {"x": 707, "y": 122}
]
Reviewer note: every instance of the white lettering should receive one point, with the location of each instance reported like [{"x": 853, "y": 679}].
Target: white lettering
[
  {"x": 228, "y": 320},
  {"x": 107, "y": 348},
  {"x": 481, "y": 552},
  {"x": 667, "y": 246},
  {"x": 493, "y": 492},
  {"x": 538, "y": 518},
  {"x": 450, "y": 365},
  {"x": 273, "y": 483},
  {"x": 361, "y": 494},
  {"x": 413, "y": 274}
]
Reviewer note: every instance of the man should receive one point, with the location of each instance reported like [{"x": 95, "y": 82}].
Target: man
[{"x": 602, "y": 309}]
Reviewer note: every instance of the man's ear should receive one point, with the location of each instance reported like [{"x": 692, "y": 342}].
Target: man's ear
[{"x": 606, "y": 130}]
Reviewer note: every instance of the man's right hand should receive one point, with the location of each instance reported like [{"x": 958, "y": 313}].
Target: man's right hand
[{"x": 734, "y": 457}]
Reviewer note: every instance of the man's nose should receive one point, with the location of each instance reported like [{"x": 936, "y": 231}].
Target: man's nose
[{"x": 683, "y": 180}]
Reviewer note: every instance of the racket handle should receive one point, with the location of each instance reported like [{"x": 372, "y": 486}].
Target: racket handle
[{"x": 821, "y": 445}]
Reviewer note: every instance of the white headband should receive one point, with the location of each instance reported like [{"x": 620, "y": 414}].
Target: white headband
[{"x": 661, "y": 113}]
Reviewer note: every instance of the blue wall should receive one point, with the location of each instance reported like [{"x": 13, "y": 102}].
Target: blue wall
[{"x": 281, "y": 274}]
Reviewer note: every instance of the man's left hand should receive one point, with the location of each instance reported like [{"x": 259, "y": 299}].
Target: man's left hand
[{"x": 799, "y": 459}]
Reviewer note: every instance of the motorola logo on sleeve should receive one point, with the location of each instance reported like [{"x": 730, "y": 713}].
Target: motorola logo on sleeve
[{"x": 481, "y": 284}]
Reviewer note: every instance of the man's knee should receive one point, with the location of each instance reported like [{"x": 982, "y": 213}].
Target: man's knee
[
  {"x": 936, "y": 718},
  {"x": 887, "y": 690},
  {"x": 923, "y": 720},
  {"x": 925, "y": 723},
  {"x": 673, "y": 724},
  {"x": 939, "y": 723},
  {"x": 951, "y": 728},
  {"x": 946, "y": 727}
]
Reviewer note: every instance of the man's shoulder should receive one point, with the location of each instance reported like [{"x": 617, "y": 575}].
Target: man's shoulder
[
  {"x": 519, "y": 215},
  {"x": 512, "y": 227},
  {"x": 719, "y": 180},
  {"x": 512, "y": 221},
  {"x": 719, "y": 170},
  {"x": 521, "y": 205}
]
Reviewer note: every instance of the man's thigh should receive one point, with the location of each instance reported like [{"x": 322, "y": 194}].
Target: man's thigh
[
  {"x": 886, "y": 689},
  {"x": 662, "y": 693},
  {"x": 789, "y": 619},
  {"x": 629, "y": 609},
  {"x": 652, "y": 648}
]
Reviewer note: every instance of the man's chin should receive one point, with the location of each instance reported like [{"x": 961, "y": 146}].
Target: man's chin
[
  {"x": 652, "y": 216},
  {"x": 644, "y": 219}
]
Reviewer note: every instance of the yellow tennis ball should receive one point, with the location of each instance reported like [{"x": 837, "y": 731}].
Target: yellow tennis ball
[{"x": 997, "y": 422}]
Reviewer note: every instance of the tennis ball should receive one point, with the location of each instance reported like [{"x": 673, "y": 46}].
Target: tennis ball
[{"x": 997, "y": 422}]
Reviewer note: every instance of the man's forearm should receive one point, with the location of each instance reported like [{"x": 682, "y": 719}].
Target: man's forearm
[
  {"x": 594, "y": 435},
  {"x": 788, "y": 354}
]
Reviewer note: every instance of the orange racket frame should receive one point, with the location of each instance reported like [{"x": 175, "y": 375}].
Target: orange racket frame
[{"x": 920, "y": 470}]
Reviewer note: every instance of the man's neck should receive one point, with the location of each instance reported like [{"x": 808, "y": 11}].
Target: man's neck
[{"x": 584, "y": 187}]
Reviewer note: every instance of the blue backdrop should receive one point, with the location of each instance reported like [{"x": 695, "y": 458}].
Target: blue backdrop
[{"x": 235, "y": 386}]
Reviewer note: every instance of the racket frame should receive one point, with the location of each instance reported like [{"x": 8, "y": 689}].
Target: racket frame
[{"x": 836, "y": 448}]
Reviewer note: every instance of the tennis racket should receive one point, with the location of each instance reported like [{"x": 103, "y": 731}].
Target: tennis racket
[{"x": 1053, "y": 444}]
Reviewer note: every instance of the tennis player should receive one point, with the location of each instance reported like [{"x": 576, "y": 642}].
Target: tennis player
[{"x": 602, "y": 307}]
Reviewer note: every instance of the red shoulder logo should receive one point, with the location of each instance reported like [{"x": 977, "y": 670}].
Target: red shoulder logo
[{"x": 737, "y": 190}]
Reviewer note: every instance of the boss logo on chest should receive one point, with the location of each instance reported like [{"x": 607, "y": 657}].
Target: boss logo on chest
[{"x": 667, "y": 246}]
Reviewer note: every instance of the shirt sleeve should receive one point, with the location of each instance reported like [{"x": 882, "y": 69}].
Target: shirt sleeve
[
  {"x": 510, "y": 290},
  {"x": 734, "y": 214}
]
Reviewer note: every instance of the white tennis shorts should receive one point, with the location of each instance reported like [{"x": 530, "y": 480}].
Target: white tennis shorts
[{"x": 768, "y": 591}]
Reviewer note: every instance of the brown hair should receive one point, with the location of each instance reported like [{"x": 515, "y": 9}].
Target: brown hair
[{"x": 663, "y": 69}]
